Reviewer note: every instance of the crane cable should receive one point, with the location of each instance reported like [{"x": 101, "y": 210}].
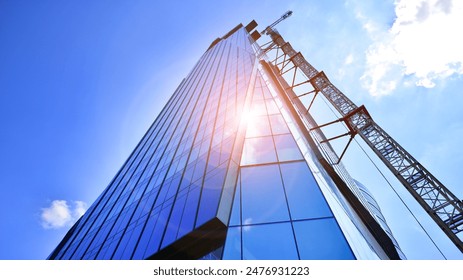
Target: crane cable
[
  {"x": 390, "y": 185},
  {"x": 400, "y": 198}
]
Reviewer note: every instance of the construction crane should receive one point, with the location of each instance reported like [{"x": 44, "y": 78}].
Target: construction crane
[
  {"x": 269, "y": 28},
  {"x": 438, "y": 201}
]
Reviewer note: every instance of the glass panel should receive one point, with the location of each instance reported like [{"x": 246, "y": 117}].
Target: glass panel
[
  {"x": 189, "y": 213},
  {"x": 258, "y": 126},
  {"x": 146, "y": 235},
  {"x": 258, "y": 150},
  {"x": 132, "y": 242},
  {"x": 267, "y": 94},
  {"x": 236, "y": 208},
  {"x": 257, "y": 93},
  {"x": 232, "y": 249},
  {"x": 174, "y": 221},
  {"x": 227, "y": 146},
  {"x": 272, "y": 107},
  {"x": 287, "y": 148},
  {"x": 258, "y": 108},
  {"x": 121, "y": 247},
  {"x": 269, "y": 242},
  {"x": 210, "y": 195},
  {"x": 155, "y": 239},
  {"x": 214, "y": 255},
  {"x": 109, "y": 249},
  {"x": 214, "y": 157},
  {"x": 278, "y": 124},
  {"x": 263, "y": 198},
  {"x": 321, "y": 240},
  {"x": 304, "y": 197}
]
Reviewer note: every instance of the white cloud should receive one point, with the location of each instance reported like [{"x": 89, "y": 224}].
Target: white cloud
[
  {"x": 80, "y": 208},
  {"x": 368, "y": 24},
  {"x": 422, "y": 44},
  {"x": 343, "y": 70},
  {"x": 349, "y": 59},
  {"x": 247, "y": 222},
  {"x": 59, "y": 214}
]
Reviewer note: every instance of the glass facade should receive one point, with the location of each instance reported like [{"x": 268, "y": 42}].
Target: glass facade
[
  {"x": 378, "y": 215},
  {"x": 223, "y": 172},
  {"x": 277, "y": 200}
]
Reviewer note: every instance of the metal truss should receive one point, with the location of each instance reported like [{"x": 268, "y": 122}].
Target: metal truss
[{"x": 441, "y": 204}]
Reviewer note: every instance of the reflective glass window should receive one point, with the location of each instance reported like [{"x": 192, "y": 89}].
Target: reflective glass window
[
  {"x": 267, "y": 94},
  {"x": 321, "y": 239},
  {"x": 258, "y": 150},
  {"x": 118, "y": 254},
  {"x": 235, "y": 218},
  {"x": 110, "y": 249},
  {"x": 199, "y": 169},
  {"x": 278, "y": 124},
  {"x": 287, "y": 148},
  {"x": 257, "y": 93},
  {"x": 272, "y": 107},
  {"x": 258, "y": 126},
  {"x": 304, "y": 196},
  {"x": 157, "y": 232},
  {"x": 232, "y": 249},
  {"x": 258, "y": 108},
  {"x": 146, "y": 235},
  {"x": 174, "y": 221},
  {"x": 226, "y": 149},
  {"x": 263, "y": 198},
  {"x": 189, "y": 213},
  {"x": 210, "y": 195},
  {"x": 132, "y": 242},
  {"x": 213, "y": 161},
  {"x": 269, "y": 242}
]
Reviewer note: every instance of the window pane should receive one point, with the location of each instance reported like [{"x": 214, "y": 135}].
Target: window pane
[
  {"x": 214, "y": 157},
  {"x": 258, "y": 108},
  {"x": 258, "y": 150},
  {"x": 235, "y": 218},
  {"x": 210, "y": 196},
  {"x": 156, "y": 235},
  {"x": 267, "y": 94},
  {"x": 258, "y": 126},
  {"x": 189, "y": 213},
  {"x": 257, "y": 93},
  {"x": 278, "y": 124},
  {"x": 174, "y": 221},
  {"x": 263, "y": 198},
  {"x": 232, "y": 249},
  {"x": 131, "y": 243},
  {"x": 269, "y": 242},
  {"x": 287, "y": 148},
  {"x": 272, "y": 107},
  {"x": 146, "y": 235},
  {"x": 304, "y": 197},
  {"x": 321, "y": 239}
]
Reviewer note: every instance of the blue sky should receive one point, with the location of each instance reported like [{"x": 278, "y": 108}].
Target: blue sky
[{"x": 81, "y": 81}]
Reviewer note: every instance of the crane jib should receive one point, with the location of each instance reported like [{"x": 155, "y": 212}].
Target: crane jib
[{"x": 439, "y": 202}]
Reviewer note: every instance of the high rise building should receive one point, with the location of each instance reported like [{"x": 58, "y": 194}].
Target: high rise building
[{"x": 229, "y": 170}]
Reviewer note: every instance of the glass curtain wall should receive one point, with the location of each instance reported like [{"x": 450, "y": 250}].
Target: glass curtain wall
[
  {"x": 278, "y": 211},
  {"x": 172, "y": 183}
]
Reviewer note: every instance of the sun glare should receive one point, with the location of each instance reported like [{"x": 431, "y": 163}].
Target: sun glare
[{"x": 248, "y": 118}]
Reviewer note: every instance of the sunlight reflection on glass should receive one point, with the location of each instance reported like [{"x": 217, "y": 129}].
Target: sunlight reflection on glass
[{"x": 258, "y": 150}]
